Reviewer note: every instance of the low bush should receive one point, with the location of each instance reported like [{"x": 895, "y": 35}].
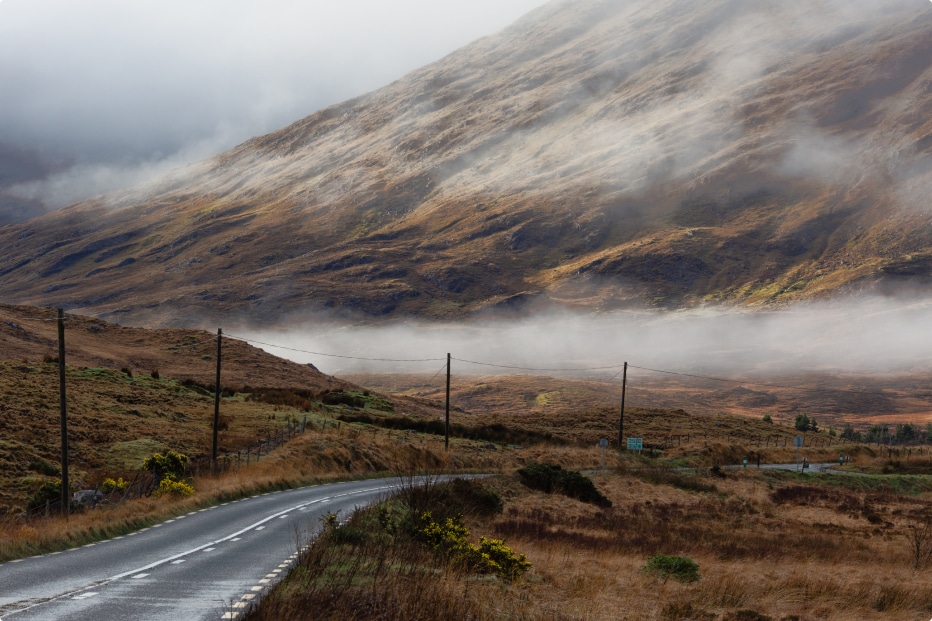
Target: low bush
[
  {"x": 110, "y": 485},
  {"x": 684, "y": 481},
  {"x": 450, "y": 540},
  {"x": 552, "y": 478},
  {"x": 49, "y": 492},
  {"x": 169, "y": 486},
  {"x": 43, "y": 467},
  {"x": 164, "y": 465},
  {"x": 681, "y": 568}
]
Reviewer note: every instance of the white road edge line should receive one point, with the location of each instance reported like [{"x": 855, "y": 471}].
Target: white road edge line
[{"x": 231, "y": 536}]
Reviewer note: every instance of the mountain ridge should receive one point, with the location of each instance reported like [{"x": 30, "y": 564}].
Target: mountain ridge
[{"x": 597, "y": 155}]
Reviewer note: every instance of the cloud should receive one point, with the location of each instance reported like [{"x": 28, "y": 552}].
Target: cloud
[
  {"x": 122, "y": 88},
  {"x": 877, "y": 335}
]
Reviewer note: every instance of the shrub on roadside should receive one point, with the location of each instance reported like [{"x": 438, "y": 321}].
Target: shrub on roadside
[
  {"x": 169, "y": 486},
  {"x": 552, "y": 478},
  {"x": 168, "y": 464},
  {"x": 49, "y": 492},
  {"x": 109, "y": 485},
  {"x": 450, "y": 541}
]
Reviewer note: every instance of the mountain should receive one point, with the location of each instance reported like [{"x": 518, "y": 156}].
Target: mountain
[{"x": 597, "y": 154}]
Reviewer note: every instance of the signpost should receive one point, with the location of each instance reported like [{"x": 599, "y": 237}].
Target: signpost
[
  {"x": 744, "y": 462},
  {"x": 603, "y": 443},
  {"x": 797, "y": 442}
]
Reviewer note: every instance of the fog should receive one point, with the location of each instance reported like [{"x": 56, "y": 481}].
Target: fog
[
  {"x": 107, "y": 93},
  {"x": 876, "y": 336}
]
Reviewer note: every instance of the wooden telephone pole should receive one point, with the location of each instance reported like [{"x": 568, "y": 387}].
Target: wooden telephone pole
[
  {"x": 621, "y": 419},
  {"x": 446, "y": 425},
  {"x": 63, "y": 401},
  {"x": 213, "y": 451}
]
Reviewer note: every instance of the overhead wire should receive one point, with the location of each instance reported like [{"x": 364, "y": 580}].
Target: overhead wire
[
  {"x": 317, "y": 353},
  {"x": 518, "y": 368}
]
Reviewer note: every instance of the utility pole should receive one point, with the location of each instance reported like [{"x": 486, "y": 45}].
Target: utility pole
[
  {"x": 621, "y": 419},
  {"x": 63, "y": 401},
  {"x": 213, "y": 452},
  {"x": 446, "y": 426}
]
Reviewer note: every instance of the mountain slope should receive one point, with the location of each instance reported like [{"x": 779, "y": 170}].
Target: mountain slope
[{"x": 596, "y": 153}]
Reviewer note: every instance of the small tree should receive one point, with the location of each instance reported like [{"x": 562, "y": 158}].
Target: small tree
[
  {"x": 802, "y": 422},
  {"x": 767, "y": 419},
  {"x": 848, "y": 433}
]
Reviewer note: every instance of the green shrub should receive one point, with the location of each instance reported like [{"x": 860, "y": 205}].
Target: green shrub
[
  {"x": 43, "y": 467},
  {"x": 681, "y": 568},
  {"x": 552, "y": 478},
  {"x": 49, "y": 492}
]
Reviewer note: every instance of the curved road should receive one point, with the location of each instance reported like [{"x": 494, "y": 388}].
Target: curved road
[{"x": 207, "y": 564}]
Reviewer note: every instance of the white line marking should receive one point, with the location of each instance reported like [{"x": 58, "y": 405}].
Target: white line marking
[
  {"x": 84, "y": 595},
  {"x": 169, "y": 521},
  {"x": 256, "y": 526},
  {"x": 264, "y": 581},
  {"x": 249, "y": 596},
  {"x": 236, "y": 539},
  {"x": 209, "y": 549},
  {"x": 138, "y": 576},
  {"x": 236, "y": 605},
  {"x": 230, "y": 615},
  {"x": 178, "y": 562},
  {"x": 256, "y": 588}
]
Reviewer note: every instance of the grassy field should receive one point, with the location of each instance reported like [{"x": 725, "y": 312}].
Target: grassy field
[{"x": 769, "y": 545}]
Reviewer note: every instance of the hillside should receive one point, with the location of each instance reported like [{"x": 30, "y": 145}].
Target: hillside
[{"x": 596, "y": 154}]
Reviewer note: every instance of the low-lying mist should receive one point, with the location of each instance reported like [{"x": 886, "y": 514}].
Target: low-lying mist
[{"x": 878, "y": 336}]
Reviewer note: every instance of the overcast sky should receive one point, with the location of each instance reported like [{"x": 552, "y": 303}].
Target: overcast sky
[{"x": 97, "y": 94}]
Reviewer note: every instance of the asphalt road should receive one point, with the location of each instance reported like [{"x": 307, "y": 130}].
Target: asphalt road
[{"x": 207, "y": 564}]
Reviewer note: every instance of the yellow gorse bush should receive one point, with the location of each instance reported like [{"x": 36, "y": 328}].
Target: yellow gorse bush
[{"x": 451, "y": 540}]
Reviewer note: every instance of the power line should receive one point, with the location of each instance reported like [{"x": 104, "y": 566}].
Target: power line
[
  {"x": 317, "y": 353},
  {"x": 517, "y": 368}
]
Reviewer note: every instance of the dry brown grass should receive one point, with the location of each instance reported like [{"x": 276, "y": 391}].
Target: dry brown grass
[{"x": 759, "y": 559}]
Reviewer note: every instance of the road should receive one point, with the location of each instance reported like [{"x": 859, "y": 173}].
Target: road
[
  {"x": 824, "y": 467},
  {"x": 207, "y": 564}
]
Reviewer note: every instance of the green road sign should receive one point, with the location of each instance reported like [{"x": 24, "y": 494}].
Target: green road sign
[{"x": 635, "y": 444}]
